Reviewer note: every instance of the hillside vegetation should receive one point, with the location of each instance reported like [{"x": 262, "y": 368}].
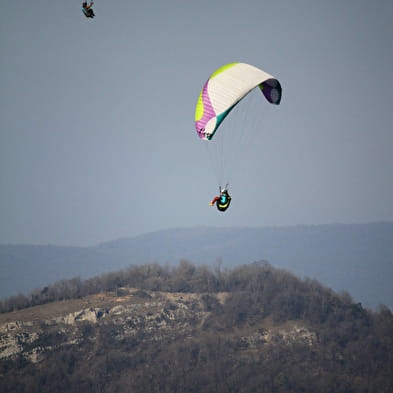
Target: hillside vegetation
[{"x": 189, "y": 328}]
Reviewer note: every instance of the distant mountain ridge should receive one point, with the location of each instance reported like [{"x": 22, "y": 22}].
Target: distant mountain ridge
[{"x": 357, "y": 258}]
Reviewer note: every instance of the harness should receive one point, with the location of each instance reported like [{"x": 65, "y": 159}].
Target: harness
[{"x": 223, "y": 202}]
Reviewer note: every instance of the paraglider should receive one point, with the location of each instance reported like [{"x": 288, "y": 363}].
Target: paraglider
[
  {"x": 223, "y": 200},
  {"x": 88, "y": 10},
  {"x": 220, "y": 94},
  {"x": 225, "y": 88}
]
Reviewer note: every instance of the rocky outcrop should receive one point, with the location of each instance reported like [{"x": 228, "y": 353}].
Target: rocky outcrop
[
  {"x": 91, "y": 315},
  {"x": 156, "y": 314}
]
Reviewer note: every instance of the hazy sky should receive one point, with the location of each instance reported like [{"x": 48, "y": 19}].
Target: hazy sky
[{"x": 97, "y": 136}]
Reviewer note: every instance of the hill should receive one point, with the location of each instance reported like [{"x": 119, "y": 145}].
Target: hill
[
  {"x": 252, "y": 328},
  {"x": 357, "y": 258}
]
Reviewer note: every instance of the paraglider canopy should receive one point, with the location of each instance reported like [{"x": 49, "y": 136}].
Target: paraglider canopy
[{"x": 225, "y": 88}]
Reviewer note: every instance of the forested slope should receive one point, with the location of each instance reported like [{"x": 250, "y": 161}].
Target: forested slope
[{"x": 190, "y": 328}]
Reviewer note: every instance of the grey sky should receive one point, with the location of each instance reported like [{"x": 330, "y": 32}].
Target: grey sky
[{"x": 97, "y": 116}]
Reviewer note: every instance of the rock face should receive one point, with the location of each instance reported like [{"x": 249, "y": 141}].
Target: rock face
[{"x": 156, "y": 314}]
